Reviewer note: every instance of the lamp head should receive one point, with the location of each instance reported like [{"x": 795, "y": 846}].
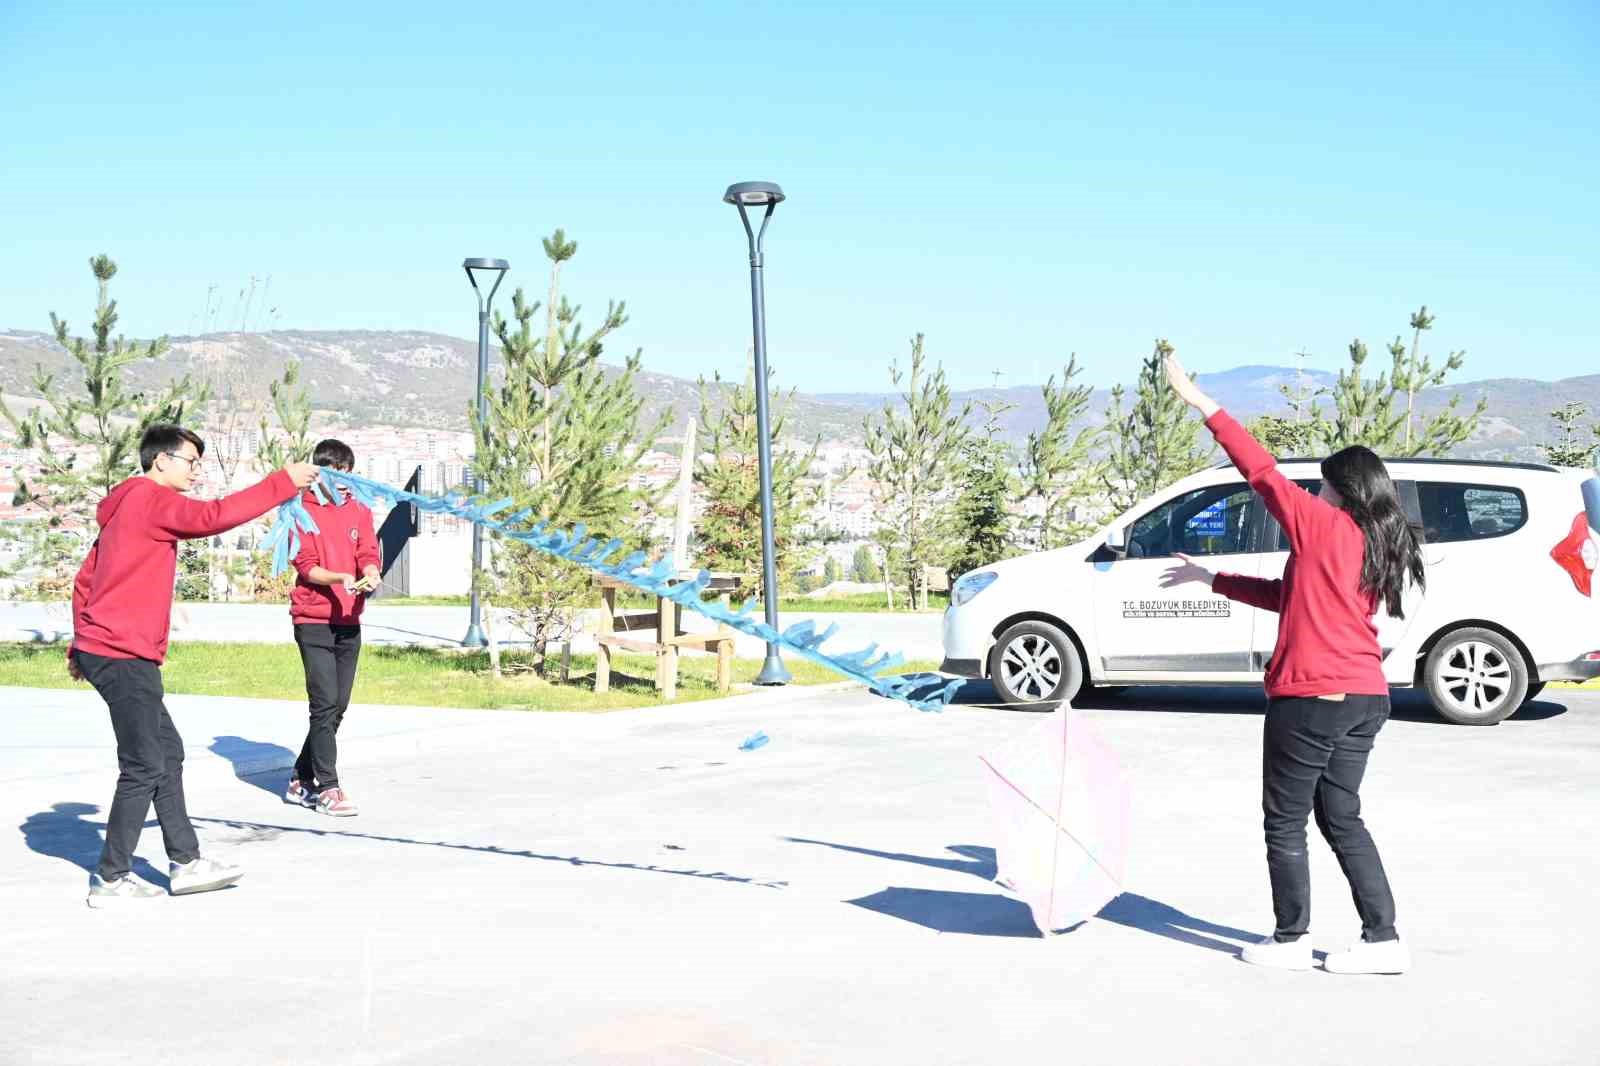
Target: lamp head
[{"x": 753, "y": 194}]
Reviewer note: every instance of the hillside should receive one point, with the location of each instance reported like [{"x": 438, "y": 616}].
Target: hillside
[{"x": 425, "y": 379}]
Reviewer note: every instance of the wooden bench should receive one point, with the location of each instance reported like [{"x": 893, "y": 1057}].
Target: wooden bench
[{"x": 664, "y": 627}]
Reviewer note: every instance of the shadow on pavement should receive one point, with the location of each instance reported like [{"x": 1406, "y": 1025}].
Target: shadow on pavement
[
  {"x": 63, "y": 832},
  {"x": 253, "y": 760},
  {"x": 992, "y": 914},
  {"x": 1409, "y": 705},
  {"x": 255, "y": 831}
]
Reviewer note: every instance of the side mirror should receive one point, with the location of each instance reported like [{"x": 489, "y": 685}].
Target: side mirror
[{"x": 1113, "y": 549}]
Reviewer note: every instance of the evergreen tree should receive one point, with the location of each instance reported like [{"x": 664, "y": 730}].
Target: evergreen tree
[
  {"x": 1154, "y": 443},
  {"x": 1058, "y": 466},
  {"x": 1569, "y": 448},
  {"x": 291, "y": 442},
  {"x": 831, "y": 571},
  {"x": 864, "y": 567},
  {"x": 80, "y": 445},
  {"x": 914, "y": 457},
  {"x": 728, "y": 534},
  {"x": 1283, "y": 437},
  {"x": 562, "y": 437},
  {"x": 1370, "y": 412},
  {"x": 986, "y": 489}
]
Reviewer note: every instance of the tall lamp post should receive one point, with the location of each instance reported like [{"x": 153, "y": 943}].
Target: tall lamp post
[
  {"x": 497, "y": 267},
  {"x": 745, "y": 195}
]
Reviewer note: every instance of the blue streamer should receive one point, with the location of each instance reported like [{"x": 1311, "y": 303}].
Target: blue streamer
[{"x": 577, "y": 547}]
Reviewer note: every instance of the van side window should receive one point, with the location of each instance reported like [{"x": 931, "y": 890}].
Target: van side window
[
  {"x": 1453, "y": 512},
  {"x": 1209, "y": 521}
]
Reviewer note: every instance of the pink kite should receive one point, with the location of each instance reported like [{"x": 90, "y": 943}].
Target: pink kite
[{"x": 1060, "y": 802}]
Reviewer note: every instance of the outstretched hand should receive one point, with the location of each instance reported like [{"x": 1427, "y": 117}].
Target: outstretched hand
[
  {"x": 1185, "y": 572},
  {"x": 1187, "y": 390}
]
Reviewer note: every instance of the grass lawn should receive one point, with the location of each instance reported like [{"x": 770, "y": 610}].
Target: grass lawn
[{"x": 425, "y": 677}]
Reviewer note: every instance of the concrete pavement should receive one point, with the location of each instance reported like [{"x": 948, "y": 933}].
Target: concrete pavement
[
  {"x": 632, "y": 888},
  {"x": 917, "y": 636}
]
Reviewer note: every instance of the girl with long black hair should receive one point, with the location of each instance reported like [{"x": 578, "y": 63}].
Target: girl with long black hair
[{"x": 1351, "y": 553}]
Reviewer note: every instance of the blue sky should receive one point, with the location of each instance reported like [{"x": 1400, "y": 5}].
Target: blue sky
[{"x": 1016, "y": 180}]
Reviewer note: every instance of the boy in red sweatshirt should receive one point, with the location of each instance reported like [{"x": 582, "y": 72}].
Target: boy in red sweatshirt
[
  {"x": 337, "y": 567},
  {"x": 121, "y": 611}
]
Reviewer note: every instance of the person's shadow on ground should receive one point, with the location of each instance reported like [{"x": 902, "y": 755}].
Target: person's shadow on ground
[
  {"x": 64, "y": 832},
  {"x": 256, "y": 762},
  {"x": 992, "y": 914}
]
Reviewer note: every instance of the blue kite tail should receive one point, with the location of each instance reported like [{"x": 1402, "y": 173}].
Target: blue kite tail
[{"x": 578, "y": 547}]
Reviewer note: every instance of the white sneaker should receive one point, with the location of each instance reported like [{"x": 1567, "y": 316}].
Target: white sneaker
[
  {"x": 201, "y": 875},
  {"x": 1293, "y": 955},
  {"x": 1386, "y": 956},
  {"x": 125, "y": 889}
]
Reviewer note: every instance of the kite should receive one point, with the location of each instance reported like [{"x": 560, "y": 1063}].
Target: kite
[{"x": 1061, "y": 803}]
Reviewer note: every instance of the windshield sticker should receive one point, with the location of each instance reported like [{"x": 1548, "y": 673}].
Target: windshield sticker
[{"x": 1217, "y": 608}]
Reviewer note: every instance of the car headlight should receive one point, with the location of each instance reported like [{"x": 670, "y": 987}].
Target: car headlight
[{"x": 969, "y": 585}]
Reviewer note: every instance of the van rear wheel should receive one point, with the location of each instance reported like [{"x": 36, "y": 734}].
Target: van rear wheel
[
  {"x": 1035, "y": 664},
  {"x": 1475, "y": 677}
]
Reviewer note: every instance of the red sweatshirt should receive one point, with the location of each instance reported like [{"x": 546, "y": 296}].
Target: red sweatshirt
[
  {"x": 344, "y": 543},
  {"x": 1327, "y": 643},
  {"x": 122, "y": 597}
]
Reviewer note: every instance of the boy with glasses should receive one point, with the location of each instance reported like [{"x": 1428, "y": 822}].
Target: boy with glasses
[
  {"x": 337, "y": 567},
  {"x": 121, "y": 613}
]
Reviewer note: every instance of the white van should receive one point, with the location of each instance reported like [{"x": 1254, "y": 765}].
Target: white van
[{"x": 1512, "y": 596}]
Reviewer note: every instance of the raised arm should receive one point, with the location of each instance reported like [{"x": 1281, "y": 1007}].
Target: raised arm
[
  {"x": 181, "y": 518},
  {"x": 1290, "y": 504}
]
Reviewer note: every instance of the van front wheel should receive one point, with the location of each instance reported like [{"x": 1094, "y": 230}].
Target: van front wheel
[
  {"x": 1475, "y": 677},
  {"x": 1035, "y": 664}
]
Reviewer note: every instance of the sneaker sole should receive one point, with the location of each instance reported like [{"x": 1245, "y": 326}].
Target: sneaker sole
[
  {"x": 338, "y": 814},
  {"x": 111, "y": 903},
  {"x": 208, "y": 886}
]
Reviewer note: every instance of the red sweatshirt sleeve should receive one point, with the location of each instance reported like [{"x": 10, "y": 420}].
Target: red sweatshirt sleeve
[
  {"x": 367, "y": 543},
  {"x": 1256, "y": 591},
  {"x": 1293, "y": 507},
  {"x": 181, "y": 518},
  {"x": 80, "y": 588},
  {"x": 307, "y": 557}
]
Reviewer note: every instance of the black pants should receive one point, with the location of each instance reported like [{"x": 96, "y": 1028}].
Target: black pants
[
  {"x": 1314, "y": 754},
  {"x": 329, "y": 654},
  {"x": 150, "y": 756}
]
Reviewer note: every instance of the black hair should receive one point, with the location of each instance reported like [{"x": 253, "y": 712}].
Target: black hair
[
  {"x": 334, "y": 453},
  {"x": 162, "y": 438},
  {"x": 1392, "y": 550}
]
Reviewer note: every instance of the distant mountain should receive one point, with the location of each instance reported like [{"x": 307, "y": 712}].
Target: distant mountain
[{"x": 426, "y": 379}]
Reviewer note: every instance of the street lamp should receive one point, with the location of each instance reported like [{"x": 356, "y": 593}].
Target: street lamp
[
  {"x": 744, "y": 195},
  {"x": 497, "y": 267}
]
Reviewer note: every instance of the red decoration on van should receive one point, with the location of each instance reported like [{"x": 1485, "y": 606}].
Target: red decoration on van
[{"x": 1576, "y": 555}]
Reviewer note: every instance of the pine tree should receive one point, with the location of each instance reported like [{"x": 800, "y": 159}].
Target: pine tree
[
  {"x": 563, "y": 438},
  {"x": 291, "y": 442},
  {"x": 1370, "y": 413},
  {"x": 864, "y": 567},
  {"x": 1569, "y": 448},
  {"x": 729, "y": 475},
  {"x": 913, "y": 462},
  {"x": 831, "y": 571},
  {"x": 1059, "y": 467},
  {"x": 1154, "y": 443},
  {"x": 1283, "y": 437},
  {"x": 983, "y": 525},
  {"x": 80, "y": 445}
]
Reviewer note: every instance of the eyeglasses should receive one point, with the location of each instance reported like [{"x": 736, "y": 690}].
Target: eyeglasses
[{"x": 194, "y": 463}]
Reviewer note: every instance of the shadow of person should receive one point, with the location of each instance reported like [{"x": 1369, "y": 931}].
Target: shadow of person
[
  {"x": 256, "y": 762},
  {"x": 64, "y": 832}
]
